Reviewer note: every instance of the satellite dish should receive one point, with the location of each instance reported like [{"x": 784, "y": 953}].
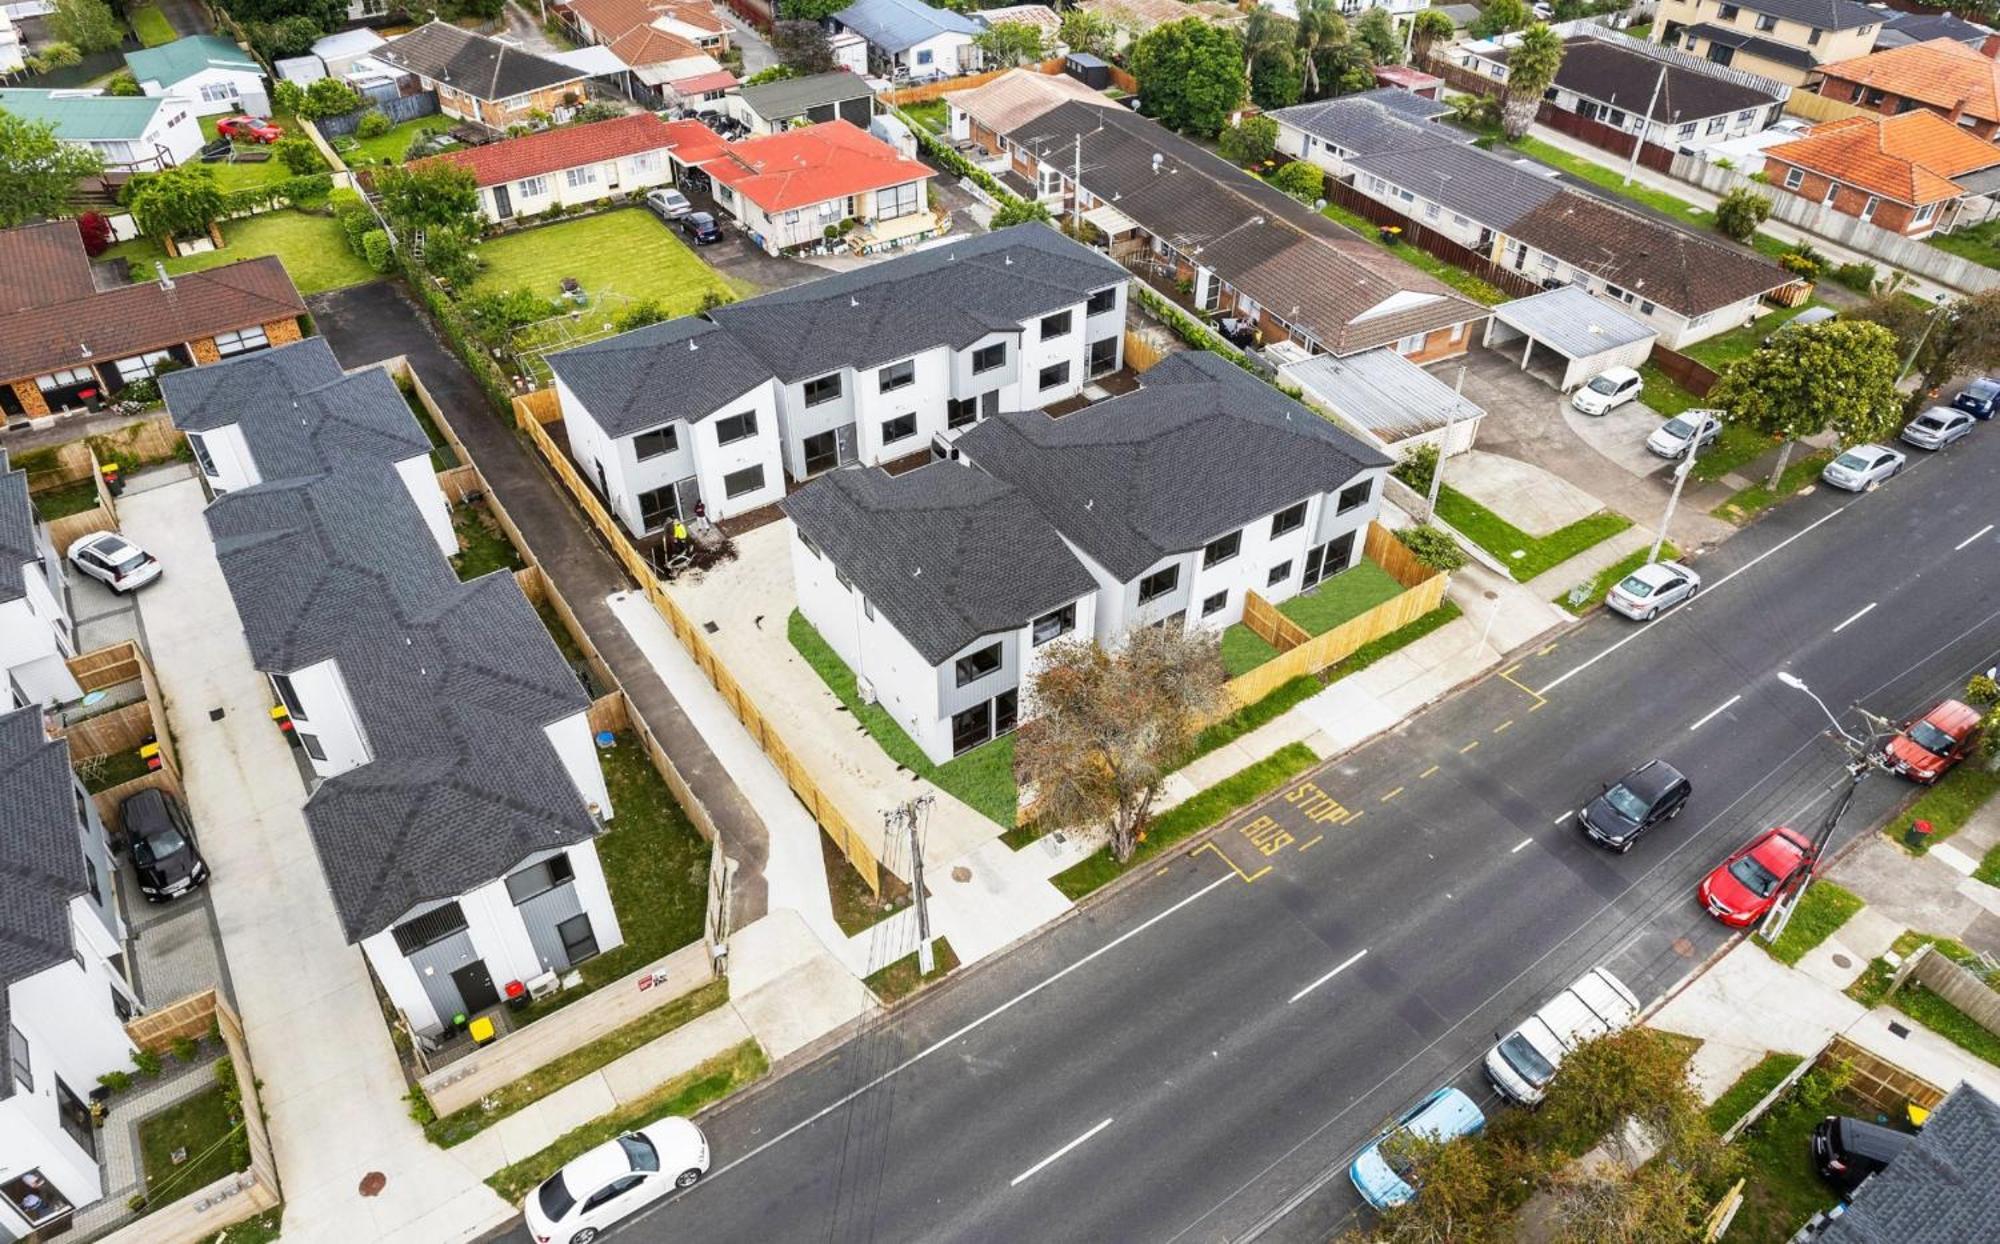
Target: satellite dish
[{"x": 93, "y": 697}]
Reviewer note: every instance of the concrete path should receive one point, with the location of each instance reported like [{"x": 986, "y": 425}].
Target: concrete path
[
  {"x": 1535, "y": 500},
  {"x": 333, "y": 1088},
  {"x": 1585, "y": 566}
]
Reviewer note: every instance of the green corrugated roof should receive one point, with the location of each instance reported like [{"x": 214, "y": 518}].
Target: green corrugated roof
[
  {"x": 183, "y": 58},
  {"x": 84, "y": 118}
]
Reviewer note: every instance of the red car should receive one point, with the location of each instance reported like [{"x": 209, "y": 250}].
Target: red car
[
  {"x": 1933, "y": 743},
  {"x": 1743, "y": 887},
  {"x": 250, "y": 129}
]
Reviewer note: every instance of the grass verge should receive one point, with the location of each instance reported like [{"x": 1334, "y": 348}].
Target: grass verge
[
  {"x": 1980, "y": 243},
  {"x": 1818, "y": 916},
  {"x": 1525, "y": 555},
  {"x": 933, "y": 114},
  {"x": 1736, "y": 448},
  {"x": 1873, "y": 984},
  {"x": 683, "y": 1095},
  {"x": 1754, "y": 500},
  {"x": 461, "y": 1125},
  {"x": 1739, "y": 343},
  {"x": 1751, "y": 1088},
  {"x": 211, "y": 1144},
  {"x": 1989, "y": 868},
  {"x": 1608, "y": 577},
  {"x": 901, "y": 979},
  {"x": 1949, "y": 804},
  {"x": 1947, "y": 1021},
  {"x": 856, "y": 908}
]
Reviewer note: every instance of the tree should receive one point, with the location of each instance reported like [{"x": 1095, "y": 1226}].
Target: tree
[
  {"x": 1459, "y": 1204},
  {"x": 1839, "y": 375},
  {"x": 810, "y": 10},
  {"x": 1190, "y": 74},
  {"x": 1007, "y": 44},
  {"x": 122, "y": 83},
  {"x": 772, "y": 73},
  {"x": 298, "y": 155},
  {"x": 1965, "y": 338},
  {"x": 180, "y": 201},
  {"x": 1319, "y": 28},
  {"x": 290, "y": 36},
  {"x": 641, "y": 313},
  {"x": 1431, "y": 26},
  {"x": 96, "y": 233},
  {"x": 451, "y": 255},
  {"x": 1501, "y": 16},
  {"x": 88, "y": 24},
  {"x": 1109, "y": 727},
  {"x": 324, "y": 14},
  {"x": 802, "y": 47},
  {"x": 1019, "y": 212},
  {"x": 1530, "y": 70},
  {"x": 59, "y": 55},
  {"x": 1375, "y": 33},
  {"x": 1603, "y": 1203},
  {"x": 288, "y": 96},
  {"x": 1913, "y": 324},
  {"x": 1250, "y": 140},
  {"x": 1084, "y": 31},
  {"x": 495, "y": 314},
  {"x": 37, "y": 172},
  {"x": 1302, "y": 181},
  {"x": 1740, "y": 211},
  {"x": 1276, "y": 78},
  {"x": 430, "y": 196},
  {"x": 330, "y": 97}
]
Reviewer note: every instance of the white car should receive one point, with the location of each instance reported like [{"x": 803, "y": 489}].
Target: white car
[
  {"x": 1607, "y": 391},
  {"x": 1862, "y": 467},
  {"x": 1937, "y": 427},
  {"x": 1697, "y": 428},
  {"x": 616, "y": 1180},
  {"x": 114, "y": 561},
  {"x": 668, "y": 203},
  {"x": 1642, "y": 594}
]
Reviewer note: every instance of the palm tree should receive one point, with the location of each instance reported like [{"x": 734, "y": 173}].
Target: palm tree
[
  {"x": 1429, "y": 26},
  {"x": 1530, "y": 70},
  {"x": 1319, "y": 27}
]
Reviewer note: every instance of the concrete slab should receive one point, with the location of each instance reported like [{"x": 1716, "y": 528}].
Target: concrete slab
[
  {"x": 990, "y": 899},
  {"x": 1840, "y": 960},
  {"x": 1919, "y": 892},
  {"x": 1981, "y": 893},
  {"x": 1750, "y": 999},
  {"x": 1719, "y": 1064},
  {"x": 1953, "y": 858},
  {"x": 1533, "y": 499},
  {"x": 1921, "y": 1051},
  {"x": 1620, "y": 437}
]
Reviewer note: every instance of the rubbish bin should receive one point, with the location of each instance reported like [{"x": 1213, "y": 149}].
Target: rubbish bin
[{"x": 1918, "y": 835}]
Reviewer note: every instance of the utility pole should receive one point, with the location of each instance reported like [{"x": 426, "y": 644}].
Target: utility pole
[
  {"x": 1681, "y": 473},
  {"x": 1922, "y": 337},
  {"x": 1444, "y": 447},
  {"x": 1863, "y": 758},
  {"x": 1645, "y": 124},
  {"x": 911, "y": 816}
]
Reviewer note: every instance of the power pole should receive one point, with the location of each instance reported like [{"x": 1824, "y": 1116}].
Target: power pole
[
  {"x": 1444, "y": 446},
  {"x": 1681, "y": 473},
  {"x": 1645, "y": 125},
  {"x": 911, "y": 816},
  {"x": 1863, "y": 758}
]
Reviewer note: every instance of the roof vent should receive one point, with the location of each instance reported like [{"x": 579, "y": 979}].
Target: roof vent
[
  {"x": 852, "y": 301},
  {"x": 1158, "y": 160},
  {"x": 166, "y": 282},
  {"x": 692, "y": 347}
]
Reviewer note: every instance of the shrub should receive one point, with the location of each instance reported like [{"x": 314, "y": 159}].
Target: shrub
[
  {"x": 96, "y": 231},
  {"x": 1019, "y": 212},
  {"x": 288, "y": 96},
  {"x": 185, "y": 1049},
  {"x": 329, "y": 97},
  {"x": 495, "y": 314},
  {"x": 144, "y": 392},
  {"x": 1432, "y": 547},
  {"x": 147, "y": 1063},
  {"x": 450, "y": 255},
  {"x": 1859, "y": 277},
  {"x": 1300, "y": 180},
  {"x": 1418, "y": 466},
  {"x": 1250, "y": 141},
  {"x": 374, "y": 124},
  {"x": 298, "y": 155},
  {"x": 1740, "y": 212},
  {"x": 376, "y": 250},
  {"x": 116, "y": 1081},
  {"x": 421, "y": 1112},
  {"x": 1981, "y": 689},
  {"x": 1803, "y": 261},
  {"x": 122, "y": 83},
  {"x": 54, "y": 56}
]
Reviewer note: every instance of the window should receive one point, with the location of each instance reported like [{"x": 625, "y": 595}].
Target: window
[
  {"x": 1868, "y": 208},
  {"x": 577, "y": 178},
  {"x": 1291, "y": 518},
  {"x": 903, "y": 200},
  {"x": 430, "y": 928},
  {"x": 242, "y": 341},
  {"x": 1766, "y": 22},
  {"x": 1053, "y": 625},
  {"x": 1715, "y": 125},
  {"x": 971, "y": 727},
  {"x": 579, "y": 940},
  {"x": 539, "y": 878},
  {"x": 1354, "y": 496},
  {"x": 90, "y": 880},
  {"x": 1101, "y": 301},
  {"x": 896, "y": 376},
  {"x": 1686, "y": 131},
  {"x": 17, "y": 1052},
  {"x": 1056, "y": 325},
  {"x": 823, "y": 389},
  {"x": 1923, "y": 214},
  {"x": 1103, "y": 356},
  {"x": 1214, "y": 604},
  {"x": 1054, "y": 375},
  {"x": 658, "y": 506},
  {"x": 901, "y": 427},
  {"x": 1159, "y": 583},
  {"x": 531, "y": 187},
  {"x": 1646, "y": 307},
  {"x": 216, "y": 92},
  {"x": 924, "y": 56},
  {"x": 961, "y": 412},
  {"x": 63, "y": 379},
  {"x": 976, "y": 665},
  {"x": 655, "y": 443},
  {"x": 1432, "y": 211},
  {"x": 1222, "y": 549},
  {"x": 1794, "y": 178},
  {"x": 749, "y": 479},
  {"x": 1746, "y": 116},
  {"x": 738, "y": 427},
  {"x": 646, "y": 162},
  {"x": 311, "y": 745},
  {"x": 1279, "y": 573},
  {"x": 142, "y": 368},
  {"x": 1728, "y": 12},
  {"x": 201, "y": 455},
  {"x": 986, "y": 358},
  {"x": 288, "y": 695}
]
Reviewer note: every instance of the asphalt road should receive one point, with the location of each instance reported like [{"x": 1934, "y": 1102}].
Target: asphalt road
[{"x": 1198, "y": 1057}]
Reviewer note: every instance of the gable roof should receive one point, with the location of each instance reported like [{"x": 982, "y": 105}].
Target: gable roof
[
  {"x": 1937, "y": 72},
  {"x": 797, "y": 168},
  {"x": 685, "y": 369},
  {"x": 482, "y": 67},
  {"x": 1657, "y": 262},
  {"x": 1199, "y": 449},
  {"x": 1943, "y": 1188},
  {"x": 1040, "y": 16},
  {"x": 551, "y": 151},
  {"x": 80, "y": 117},
  {"x": 1140, "y": 16},
  {"x": 1382, "y": 392},
  {"x": 183, "y": 58},
  {"x": 1367, "y": 123},
  {"x": 1572, "y": 323},
  {"x": 1625, "y": 77},
  {"x": 41, "y": 862},
  {"x": 946, "y": 553},
  {"x": 18, "y": 524},
  {"x": 1755, "y": 45},
  {"x": 1910, "y": 158},
  {"x": 1825, "y": 14},
  {"x": 896, "y": 25},
  {"x": 775, "y": 101},
  {"x": 1019, "y": 96},
  {"x": 1488, "y": 188},
  {"x": 1901, "y": 29}
]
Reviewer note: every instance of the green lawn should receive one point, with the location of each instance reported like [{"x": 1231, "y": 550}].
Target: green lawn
[
  {"x": 1754, "y": 500},
  {"x": 312, "y": 248},
  {"x": 1614, "y": 180},
  {"x": 1721, "y": 350},
  {"x": 1947, "y": 1021},
  {"x": 243, "y": 174},
  {"x": 483, "y": 547},
  {"x": 1662, "y": 394},
  {"x": 390, "y": 148},
  {"x": 902, "y": 978},
  {"x": 1526, "y": 555},
  {"x": 1750, "y": 1089},
  {"x": 1818, "y": 916},
  {"x": 112, "y": 769},
  {"x": 1989, "y": 868},
  {"x": 1950, "y": 803},
  {"x": 1451, "y": 274},
  {"x": 1980, "y": 243},
  {"x": 1243, "y": 649},
  {"x": 1781, "y": 1189},
  {"x": 214, "y": 1145},
  {"x": 1347, "y": 595},
  {"x": 856, "y": 908},
  {"x": 628, "y": 252},
  {"x": 933, "y": 114},
  {"x": 1873, "y": 984},
  {"x": 1737, "y": 447},
  {"x": 152, "y": 26},
  {"x": 74, "y": 498},
  {"x": 1608, "y": 577}
]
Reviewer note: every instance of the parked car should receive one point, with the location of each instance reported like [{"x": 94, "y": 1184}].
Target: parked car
[
  {"x": 1522, "y": 1063},
  {"x": 1642, "y": 594},
  {"x": 1381, "y": 1171},
  {"x": 1742, "y": 888},
  {"x": 1804, "y": 319},
  {"x": 1607, "y": 391},
  {"x": 249, "y": 129},
  {"x": 616, "y": 1180},
  {"x": 161, "y": 839},
  {"x": 1695, "y": 428},
  {"x": 1652, "y": 793},
  {"x": 1930, "y": 745},
  {"x": 113, "y": 560},
  {"x": 1863, "y": 466},
  {"x": 1937, "y": 427},
  {"x": 1847, "y": 1151},
  {"x": 701, "y": 227},
  {"x": 668, "y": 203},
  {"x": 1980, "y": 398}
]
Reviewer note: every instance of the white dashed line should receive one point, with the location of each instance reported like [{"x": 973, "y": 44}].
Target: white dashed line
[
  {"x": 1032, "y": 1171},
  {"x": 1351, "y": 961},
  {"x": 1524, "y": 842},
  {"x": 1716, "y": 712},
  {"x": 1974, "y": 536},
  {"x": 1565, "y": 816},
  {"x": 1862, "y": 613}
]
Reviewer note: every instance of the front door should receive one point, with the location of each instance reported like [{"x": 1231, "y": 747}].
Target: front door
[
  {"x": 503, "y": 203},
  {"x": 475, "y": 987}
]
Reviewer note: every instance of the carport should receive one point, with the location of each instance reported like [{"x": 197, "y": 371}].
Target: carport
[
  {"x": 1391, "y": 400},
  {"x": 1584, "y": 334}
]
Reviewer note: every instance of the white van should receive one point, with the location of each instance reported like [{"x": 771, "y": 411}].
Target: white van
[{"x": 1522, "y": 1063}]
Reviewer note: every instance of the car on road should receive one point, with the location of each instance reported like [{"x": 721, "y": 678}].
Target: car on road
[
  {"x": 1937, "y": 427},
  {"x": 1522, "y": 1063},
  {"x": 1931, "y": 744},
  {"x": 1859, "y": 468},
  {"x": 668, "y": 203},
  {"x": 1743, "y": 887},
  {"x": 1651, "y": 588},
  {"x": 701, "y": 228},
  {"x": 1648, "y": 795},
  {"x": 1381, "y": 1171},
  {"x": 1847, "y": 1151},
  {"x": 161, "y": 839},
  {"x": 1607, "y": 391},
  {"x": 1980, "y": 398},
  {"x": 1694, "y": 428},
  {"x": 114, "y": 561},
  {"x": 250, "y": 129},
  {"x": 616, "y": 1180}
]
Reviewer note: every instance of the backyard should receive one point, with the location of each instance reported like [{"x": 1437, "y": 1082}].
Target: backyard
[
  {"x": 483, "y": 547},
  {"x": 203, "y": 1131},
  {"x": 243, "y": 174},
  {"x": 389, "y": 148},
  {"x": 1346, "y": 595},
  {"x": 1980, "y": 243},
  {"x": 311, "y": 247},
  {"x": 1451, "y": 274},
  {"x": 1781, "y": 1189},
  {"x": 152, "y": 26},
  {"x": 629, "y": 252}
]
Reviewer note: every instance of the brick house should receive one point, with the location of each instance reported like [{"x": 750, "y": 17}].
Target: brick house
[
  {"x": 572, "y": 166},
  {"x": 483, "y": 80},
  {"x": 1940, "y": 75},
  {"x": 1900, "y": 173}
]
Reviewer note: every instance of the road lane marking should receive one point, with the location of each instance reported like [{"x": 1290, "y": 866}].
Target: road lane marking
[
  {"x": 1716, "y": 712},
  {"x": 1312, "y": 842},
  {"x": 1350, "y": 961},
  {"x": 1517, "y": 846},
  {"x": 1508, "y": 676},
  {"x": 1565, "y": 816},
  {"x": 1224, "y": 857},
  {"x": 1863, "y": 612},
  {"x": 1427, "y": 772},
  {"x": 1503, "y": 725},
  {"x": 1037, "y": 1168},
  {"x": 1392, "y": 794},
  {"x": 1974, "y": 536},
  {"x": 1468, "y": 747}
]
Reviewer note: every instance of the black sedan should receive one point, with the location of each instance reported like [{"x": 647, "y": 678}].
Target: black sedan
[
  {"x": 1979, "y": 399},
  {"x": 701, "y": 227},
  {"x": 1651, "y": 793},
  {"x": 162, "y": 841}
]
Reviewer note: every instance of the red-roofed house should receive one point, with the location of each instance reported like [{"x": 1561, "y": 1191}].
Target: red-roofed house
[
  {"x": 567, "y": 166},
  {"x": 668, "y": 47},
  {"x": 787, "y": 189},
  {"x": 1909, "y": 173}
]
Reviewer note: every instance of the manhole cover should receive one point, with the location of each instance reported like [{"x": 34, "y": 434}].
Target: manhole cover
[
  {"x": 372, "y": 1183},
  {"x": 1842, "y": 961},
  {"x": 961, "y": 874},
  {"x": 1684, "y": 948}
]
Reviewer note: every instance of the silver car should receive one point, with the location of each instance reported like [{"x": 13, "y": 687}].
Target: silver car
[
  {"x": 668, "y": 203},
  {"x": 1642, "y": 594},
  {"x": 1696, "y": 428},
  {"x": 1937, "y": 427},
  {"x": 1862, "y": 467}
]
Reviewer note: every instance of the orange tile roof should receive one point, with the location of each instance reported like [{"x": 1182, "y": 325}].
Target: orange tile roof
[
  {"x": 551, "y": 151},
  {"x": 1941, "y": 73},
  {"x": 631, "y": 36},
  {"x": 797, "y": 168},
  {"x": 1910, "y": 158}
]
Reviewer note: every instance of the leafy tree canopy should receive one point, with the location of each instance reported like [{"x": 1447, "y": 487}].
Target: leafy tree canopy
[
  {"x": 38, "y": 173},
  {"x": 1190, "y": 74}
]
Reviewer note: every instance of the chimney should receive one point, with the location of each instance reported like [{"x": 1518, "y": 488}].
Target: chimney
[
  {"x": 1957, "y": 111},
  {"x": 166, "y": 282}
]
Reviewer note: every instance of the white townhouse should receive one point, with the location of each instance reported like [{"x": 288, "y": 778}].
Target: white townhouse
[
  {"x": 36, "y": 639},
  {"x": 867, "y": 367},
  {"x": 64, "y": 998},
  {"x": 567, "y": 167},
  {"x": 939, "y": 587},
  {"x": 290, "y": 412},
  {"x": 209, "y": 71},
  {"x": 134, "y": 133}
]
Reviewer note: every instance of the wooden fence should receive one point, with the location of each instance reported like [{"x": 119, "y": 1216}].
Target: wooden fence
[
  {"x": 1879, "y": 1082},
  {"x": 123, "y": 729},
  {"x": 68, "y": 529},
  {"x": 1605, "y": 137},
  {"x": 1819, "y": 108},
  {"x": 1460, "y": 78},
  {"x": 107, "y": 667},
  {"x": 946, "y": 86},
  {"x": 460, "y": 482},
  {"x": 1141, "y": 352},
  {"x": 1963, "y": 989},
  {"x": 1432, "y": 242},
  {"x": 150, "y": 438},
  {"x": 1690, "y": 374}
]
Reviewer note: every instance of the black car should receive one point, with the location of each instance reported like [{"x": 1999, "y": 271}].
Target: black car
[
  {"x": 701, "y": 227},
  {"x": 1847, "y": 1151},
  {"x": 1651, "y": 793},
  {"x": 162, "y": 842},
  {"x": 1979, "y": 399}
]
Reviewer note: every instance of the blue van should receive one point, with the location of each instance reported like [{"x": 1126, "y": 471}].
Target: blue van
[{"x": 1383, "y": 1179}]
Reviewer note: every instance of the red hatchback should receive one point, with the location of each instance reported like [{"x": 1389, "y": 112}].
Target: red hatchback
[
  {"x": 1743, "y": 887},
  {"x": 1933, "y": 743},
  {"x": 250, "y": 129}
]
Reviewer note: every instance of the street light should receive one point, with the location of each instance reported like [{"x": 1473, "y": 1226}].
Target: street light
[{"x": 1798, "y": 684}]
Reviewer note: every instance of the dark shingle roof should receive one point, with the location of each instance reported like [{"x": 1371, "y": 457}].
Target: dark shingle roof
[
  {"x": 1756, "y": 45},
  {"x": 17, "y": 531},
  {"x": 679, "y": 369},
  {"x": 1899, "y": 29},
  {"x": 1624, "y": 77},
  {"x": 1199, "y": 450},
  {"x": 1670, "y": 266},
  {"x": 1944, "y": 1188},
  {"x": 1364, "y": 124},
  {"x": 1825, "y": 14},
  {"x": 947, "y": 554},
  {"x": 480, "y": 66},
  {"x": 41, "y": 861},
  {"x": 775, "y": 101},
  {"x": 1486, "y": 187}
]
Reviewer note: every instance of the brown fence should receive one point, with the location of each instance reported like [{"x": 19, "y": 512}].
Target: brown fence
[
  {"x": 107, "y": 667},
  {"x": 1879, "y": 1082},
  {"x": 1385, "y": 550},
  {"x": 122, "y": 729},
  {"x": 1823, "y": 107},
  {"x": 1461, "y": 78},
  {"x": 1963, "y": 989},
  {"x": 151, "y": 438},
  {"x": 1605, "y": 137},
  {"x": 1432, "y": 242},
  {"x": 461, "y": 482},
  {"x": 1141, "y": 352},
  {"x": 946, "y": 86},
  {"x": 1696, "y": 377}
]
